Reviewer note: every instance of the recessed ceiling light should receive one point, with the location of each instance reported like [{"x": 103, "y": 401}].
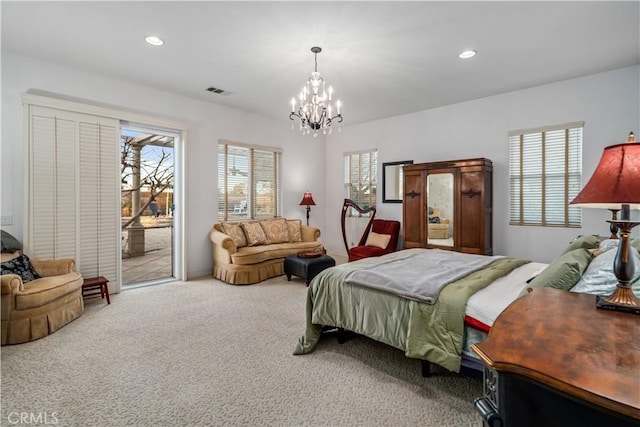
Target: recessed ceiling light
[
  {"x": 467, "y": 54},
  {"x": 156, "y": 41}
]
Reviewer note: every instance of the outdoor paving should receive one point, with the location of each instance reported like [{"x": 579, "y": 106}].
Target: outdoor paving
[{"x": 156, "y": 262}]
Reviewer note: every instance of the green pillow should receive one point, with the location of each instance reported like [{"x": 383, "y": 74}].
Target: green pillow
[
  {"x": 589, "y": 241},
  {"x": 563, "y": 273}
]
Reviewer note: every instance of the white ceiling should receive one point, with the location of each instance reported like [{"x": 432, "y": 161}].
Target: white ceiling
[{"x": 382, "y": 58}]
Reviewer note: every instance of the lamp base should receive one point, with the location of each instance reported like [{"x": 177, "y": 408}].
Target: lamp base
[{"x": 622, "y": 299}]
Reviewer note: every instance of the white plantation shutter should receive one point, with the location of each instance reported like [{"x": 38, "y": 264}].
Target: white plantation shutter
[
  {"x": 73, "y": 185},
  {"x": 89, "y": 220},
  {"x": 99, "y": 172},
  {"x": 43, "y": 187},
  {"x": 54, "y": 201},
  {"x": 108, "y": 247},
  {"x": 65, "y": 189},
  {"x": 545, "y": 168}
]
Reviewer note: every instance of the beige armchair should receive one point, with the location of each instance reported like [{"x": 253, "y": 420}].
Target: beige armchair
[{"x": 42, "y": 306}]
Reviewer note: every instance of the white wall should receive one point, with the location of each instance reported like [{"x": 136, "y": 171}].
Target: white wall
[
  {"x": 608, "y": 103},
  {"x": 303, "y": 157}
]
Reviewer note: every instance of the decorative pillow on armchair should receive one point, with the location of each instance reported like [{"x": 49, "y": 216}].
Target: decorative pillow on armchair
[
  {"x": 20, "y": 266},
  {"x": 378, "y": 240}
]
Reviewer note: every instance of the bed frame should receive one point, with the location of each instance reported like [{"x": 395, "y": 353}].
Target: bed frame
[{"x": 469, "y": 366}]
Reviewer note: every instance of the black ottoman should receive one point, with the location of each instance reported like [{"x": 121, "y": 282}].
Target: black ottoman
[{"x": 307, "y": 268}]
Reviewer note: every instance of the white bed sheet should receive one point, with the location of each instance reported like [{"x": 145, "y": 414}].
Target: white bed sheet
[{"x": 486, "y": 304}]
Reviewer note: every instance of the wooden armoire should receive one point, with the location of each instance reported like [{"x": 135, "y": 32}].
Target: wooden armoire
[{"x": 459, "y": 192}]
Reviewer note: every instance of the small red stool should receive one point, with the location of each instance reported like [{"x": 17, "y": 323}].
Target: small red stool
[{"x": 94, "y": 286}]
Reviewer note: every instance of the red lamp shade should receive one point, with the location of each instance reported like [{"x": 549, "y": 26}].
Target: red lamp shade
[
  {"x": 307, "y": 200},
  {"x": 616, "y": 180}
]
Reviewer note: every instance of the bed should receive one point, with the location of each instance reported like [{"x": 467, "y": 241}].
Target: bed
[{"x": 442, "y": 332}]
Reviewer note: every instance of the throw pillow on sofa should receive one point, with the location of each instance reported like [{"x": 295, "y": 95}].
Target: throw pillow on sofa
[
  {"x": 235, "y": 231},
  {"x": 255, "y": 233},
  {"x": 295, "y": 232},
  {"x": 276, "y": 230}
]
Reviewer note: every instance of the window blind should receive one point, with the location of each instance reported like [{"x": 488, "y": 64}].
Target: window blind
[
  {"x": 360, "y": 172},
  {"x": 545, "y": 168},
  {"x": 249, "y": 182}
]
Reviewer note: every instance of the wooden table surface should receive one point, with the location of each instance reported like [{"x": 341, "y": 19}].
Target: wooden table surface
[{"x": 560, "y": 339}]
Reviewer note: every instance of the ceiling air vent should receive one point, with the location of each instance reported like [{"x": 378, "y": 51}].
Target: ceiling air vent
[{"x": 218, "y": 91}]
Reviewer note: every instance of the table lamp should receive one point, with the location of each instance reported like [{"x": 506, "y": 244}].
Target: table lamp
[
  {"x": 307, "y": 200},
  {"x": 615, "y": 184}
]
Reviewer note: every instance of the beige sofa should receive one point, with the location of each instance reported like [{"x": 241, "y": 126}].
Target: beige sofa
[
  {"x": 438, "y": 230},
  {"x": 41, "y": 306},
  {"x": 253, "y": 251}
]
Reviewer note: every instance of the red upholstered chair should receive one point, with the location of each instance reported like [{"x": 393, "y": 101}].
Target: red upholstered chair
[
  {"x": 379, "y": 226},
  {"x": 370, "y": 245}
]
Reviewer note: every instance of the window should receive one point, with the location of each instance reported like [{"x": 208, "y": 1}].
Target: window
[
  {"x": 360, "y": 172},
  {"x": 248, "y": 181},
  {"x": 545, "y": 168}
]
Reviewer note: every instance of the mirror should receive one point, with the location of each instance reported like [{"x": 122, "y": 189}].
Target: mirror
[
  {"x": 392, "y": 181},
  {"x": 440, "y": 206}
]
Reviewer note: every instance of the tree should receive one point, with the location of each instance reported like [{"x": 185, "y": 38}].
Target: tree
[{"x": 155, "y": 169}]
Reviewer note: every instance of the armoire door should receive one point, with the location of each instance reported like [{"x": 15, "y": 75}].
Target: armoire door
[
  {"x": 475, "y": 211},
  {"x": 414, "y": 202}
]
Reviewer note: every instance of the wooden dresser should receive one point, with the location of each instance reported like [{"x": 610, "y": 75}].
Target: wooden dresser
[
  {"x": 462, "y": 190},
  {"x": 553, "y": 359}
]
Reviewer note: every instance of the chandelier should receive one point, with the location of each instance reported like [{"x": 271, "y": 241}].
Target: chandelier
[{"x": 316, "y": 106}]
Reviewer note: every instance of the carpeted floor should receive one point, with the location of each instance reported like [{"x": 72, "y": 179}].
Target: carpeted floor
[{"x": 204, "y": 353}]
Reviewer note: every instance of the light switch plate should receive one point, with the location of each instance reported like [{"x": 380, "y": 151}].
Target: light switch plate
[{"x": 6, "y": 219}]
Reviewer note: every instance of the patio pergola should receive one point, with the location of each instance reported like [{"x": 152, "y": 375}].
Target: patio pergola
[{"x": 135, "y": 230}]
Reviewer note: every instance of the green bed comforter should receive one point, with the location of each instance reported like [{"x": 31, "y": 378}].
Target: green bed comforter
[{"x": 433, "y": 332}]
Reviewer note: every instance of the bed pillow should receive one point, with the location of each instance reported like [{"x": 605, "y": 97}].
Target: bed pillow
[
  {"x": 294, "y": 227},
  {"x": 589, "y": 241},
  {"x": 608, "y": 244},
  {"x": 599, "y": 279},
  {"x": 563, "y": 273},
  {"x": 235, "y": 231},
  {"x": 20, "y": 266},
  {"x": 636, "y": 244},
  {"x": 276, "y": 230},
  {"x": 255, "y": 234}
]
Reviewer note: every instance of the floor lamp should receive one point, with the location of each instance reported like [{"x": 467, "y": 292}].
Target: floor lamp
[
  {"x": 307, "y": 200},
  {"x": 615, "y": 184}
]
